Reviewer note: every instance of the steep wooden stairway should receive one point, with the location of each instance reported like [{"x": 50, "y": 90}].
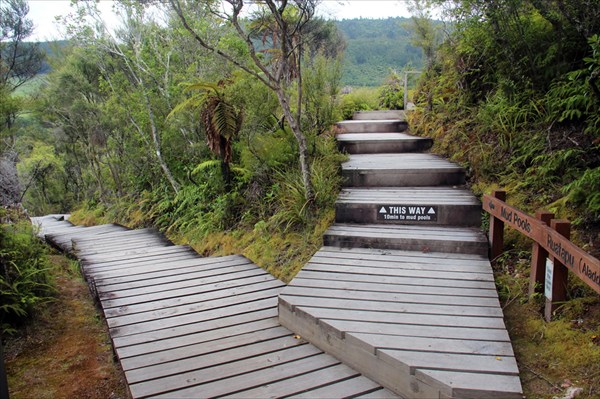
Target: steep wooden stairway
[{"x": 402, "y": 291}]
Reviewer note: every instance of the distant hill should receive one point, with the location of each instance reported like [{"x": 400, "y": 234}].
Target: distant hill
[
  {"x": 374, "y": 47},
  {"x": 50, "y": 48}
]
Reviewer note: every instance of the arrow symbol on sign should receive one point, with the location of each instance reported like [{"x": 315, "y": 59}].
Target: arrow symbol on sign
[
  {"x": 382, "y": 210},
  {"x": 431, "y": 211}
]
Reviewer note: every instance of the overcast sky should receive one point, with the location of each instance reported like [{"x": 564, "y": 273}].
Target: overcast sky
[{"x": 43, "y": 13}]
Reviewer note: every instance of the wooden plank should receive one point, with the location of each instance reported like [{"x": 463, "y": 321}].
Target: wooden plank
[
  {"x": 378, "y": 271},
  {"x": 412, "y": 256},
  {"x": 464, "y": 267},
  {"x": 376, "y": 342},
  {"x": 358, "y": 385},
  {"x": 188, "y": 384},
  {"x": 141, "y": 255},
  {"x": 159, "y": 271},
  {"x": 391, "y": 288},
  {"x": 206, "y": 321},
  {"x": 399, "y": 330},
  {"x": 378, "y": 394},
  {"x": 158, "y": 301},
  {"x": 401, "y": 318},
  {"x": 473, "y": 385},
  {"x": 406, "y": 308},
  {"x": 141, "y": 270},
  {"x": 222, "y": 328},
  {"x": 142, "y": 322},
  {"x": 152, "y": 365},
  {"x": 259, "y": 377},
  {"x": 337, "y": 275},
  {"x": 504, "y": 365},
  {"x": 432, "y": 298},
  {"x": 193, "y": 278},
  {"x": 329, "y": 376}
]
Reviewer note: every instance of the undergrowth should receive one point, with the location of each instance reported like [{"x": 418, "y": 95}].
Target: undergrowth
[
  {"x": 25, "y": 272},
  {"x": 265, "y": 217}
]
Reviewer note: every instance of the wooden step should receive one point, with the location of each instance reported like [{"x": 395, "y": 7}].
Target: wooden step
[
  {"x": 409, "y": 205},
  {"x": 463, "y": 240},
  {"x": 372, "y": 126},
  {"x": 379, "y": 143},
  {"x": 400, "y": 170},
  {"x": 422, "y": 325},
  {"x": 379, "y": 115}
]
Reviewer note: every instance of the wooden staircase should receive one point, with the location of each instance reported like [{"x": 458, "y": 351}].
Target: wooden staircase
[{"x": 402, "y": 291}]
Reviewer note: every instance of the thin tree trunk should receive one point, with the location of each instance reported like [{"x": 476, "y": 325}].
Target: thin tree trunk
[
  {"x": 302, "y": 145},
  {"x": 156, "y": 143}
]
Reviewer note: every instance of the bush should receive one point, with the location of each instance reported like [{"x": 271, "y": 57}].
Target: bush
[{"x": 25, "y": 280}]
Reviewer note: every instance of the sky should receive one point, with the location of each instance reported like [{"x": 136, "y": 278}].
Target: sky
[{"x": 43, "y": 13}]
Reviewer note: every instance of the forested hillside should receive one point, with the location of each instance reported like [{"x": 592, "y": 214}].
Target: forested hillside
[{"x": 376, "y": 46}]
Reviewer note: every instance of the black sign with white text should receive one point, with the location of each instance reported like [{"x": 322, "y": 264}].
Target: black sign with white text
[{"x": 412, "y": 213}]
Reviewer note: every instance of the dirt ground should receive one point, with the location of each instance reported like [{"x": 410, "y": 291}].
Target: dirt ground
[{"x": 65, "y": 352}]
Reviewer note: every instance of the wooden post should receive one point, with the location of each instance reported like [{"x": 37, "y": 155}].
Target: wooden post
[
  {"x": 497, "y": 229},
  {"x": 560, "y": 274},
  {"x": 538, "y": 258}
]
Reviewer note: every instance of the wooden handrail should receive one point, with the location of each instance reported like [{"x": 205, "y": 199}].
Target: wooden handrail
[{"x": 550, "y": 241}]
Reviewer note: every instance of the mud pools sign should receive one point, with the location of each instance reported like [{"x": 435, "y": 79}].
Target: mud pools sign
[
  {"x": 413, "y": 213},
  {"x": 585, "y": 266}
]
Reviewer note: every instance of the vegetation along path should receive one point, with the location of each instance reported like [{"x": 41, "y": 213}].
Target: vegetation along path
[{"x": 401, "y": 297}]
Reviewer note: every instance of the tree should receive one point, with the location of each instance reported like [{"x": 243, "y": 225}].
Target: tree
[
  {"x": 221, "y": 118},
  {"x": 19, "y": 63},
  {"x": 277, "y": 63}
]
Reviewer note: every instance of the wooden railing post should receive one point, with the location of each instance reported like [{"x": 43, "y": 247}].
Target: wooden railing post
[
  {"x": 560, "y": 273},
  {"x": 538, "y": 258},
  {"x": 497, "y": 229}
]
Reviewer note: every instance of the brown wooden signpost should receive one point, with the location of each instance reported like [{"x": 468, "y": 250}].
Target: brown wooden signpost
[{"x": 550, "y": 241}]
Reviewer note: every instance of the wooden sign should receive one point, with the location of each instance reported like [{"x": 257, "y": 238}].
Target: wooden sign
[{"x": 582, "y": 264}]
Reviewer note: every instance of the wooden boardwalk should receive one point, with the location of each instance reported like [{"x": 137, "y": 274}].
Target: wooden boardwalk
[
  {"x": 402, "y": 305},
  {"x": 403, "y": 290},
  {"x": 184, "y": 326}
]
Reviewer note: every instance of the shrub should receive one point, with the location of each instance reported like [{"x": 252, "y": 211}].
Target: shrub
[{"x": 25, "y": 280}]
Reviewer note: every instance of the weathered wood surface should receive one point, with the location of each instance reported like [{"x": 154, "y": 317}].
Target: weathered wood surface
[
  {"x": 451, "y": 206},
  {"x": 379, "y": 115},
  {"x": 406, "y": 298},
  {"x": 466, "y": 240},
  {"x": 379, "y": 143},
  {"x": 187, "y": 326},
  {"x": 372, "y": 126},
  {"x": 400, "y": 170},
  {"x": 422, "y": 315}
]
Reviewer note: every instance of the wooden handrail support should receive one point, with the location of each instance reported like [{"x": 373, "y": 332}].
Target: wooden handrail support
[{"x": 551, "y": 239}]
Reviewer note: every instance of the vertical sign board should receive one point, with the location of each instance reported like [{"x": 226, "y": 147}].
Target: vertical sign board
[
  {"x": 584, "y": 265},
  {"x": 548, "y": 282}
]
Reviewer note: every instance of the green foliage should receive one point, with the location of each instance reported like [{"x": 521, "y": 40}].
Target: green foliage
[
  {"x": 584, "y": 192},
  {"x": 392, "y": 92},
  {"x": 25, "y": 281},
  {"x": 361, "y": 99}
]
